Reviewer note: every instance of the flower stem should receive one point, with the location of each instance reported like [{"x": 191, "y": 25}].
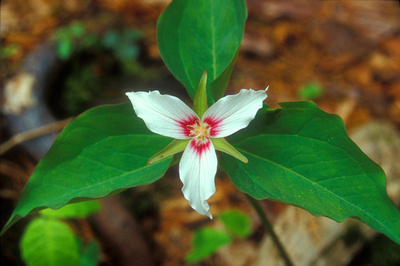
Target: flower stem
[{"x": 268, "y": 226}]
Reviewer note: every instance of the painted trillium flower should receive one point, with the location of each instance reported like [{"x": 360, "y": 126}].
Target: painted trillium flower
[{"x": 198, "y": 132}]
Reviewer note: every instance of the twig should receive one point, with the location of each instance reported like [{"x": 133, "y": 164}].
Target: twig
[{"x": 33, "y": 133}]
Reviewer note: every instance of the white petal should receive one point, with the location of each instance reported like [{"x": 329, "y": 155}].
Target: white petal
[
  {"x": 197, "y": 171},
  {"x": 163, "y": 114},
  {"x": 233, "y": 112}
]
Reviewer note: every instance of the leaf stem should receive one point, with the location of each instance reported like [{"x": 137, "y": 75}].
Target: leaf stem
[{"x": 268, "y": 226}]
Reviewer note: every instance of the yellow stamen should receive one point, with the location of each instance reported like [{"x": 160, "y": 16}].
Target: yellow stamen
[{"x": 200, "y": 132}]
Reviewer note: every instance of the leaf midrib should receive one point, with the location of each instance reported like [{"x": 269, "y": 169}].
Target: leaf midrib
[
  {"x": 213, "y": 49},
  {"x": 77, "y": 191},
  {"x": 315, "y": 183},
  {"x": 69, "y": 197}
]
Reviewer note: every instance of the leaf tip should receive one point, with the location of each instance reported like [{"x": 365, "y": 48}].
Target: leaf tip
[{"x": 242, "y": 158}]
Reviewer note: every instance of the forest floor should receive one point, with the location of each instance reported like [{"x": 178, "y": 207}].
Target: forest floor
[{"x": 349, "y": 50}]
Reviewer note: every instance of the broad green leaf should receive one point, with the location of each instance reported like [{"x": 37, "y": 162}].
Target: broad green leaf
[
  {"x": 219, "y": 85},
  {"x": 237, "y": 222},
  {"x": 49, "y": 242},
  {"x": 73, "y": 210},
  {"x": 197, "y": 36},
  {"x": 103, "y": 151},
  {"x": 205, "y": 242},
  {"x": 302, "y": 155}
]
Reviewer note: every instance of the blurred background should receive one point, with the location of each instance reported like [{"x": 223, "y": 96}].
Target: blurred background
[{"x": 59, "y": 58}]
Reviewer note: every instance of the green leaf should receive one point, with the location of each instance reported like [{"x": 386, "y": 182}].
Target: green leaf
[
  {"x": 103, "y": 151},
  {"x": 219, "y": 85},
  {"x": 205, "y": 242},
  {"x": 74, "y": 210},
  {"x": 90, "y": 254},
  {"x": 77, "y": 29},
  {"x": 197, "y": 36},
  {"x": 49, "y": 242},
  {"x": 311, "y": 91},
  {"x": 65, "y": 49},
  {"x": 237, "y": 222},
  {"x": 302, "y": 155},
  {"x": 111, "y": 39},
  {"x": 9, "y": 50}
]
